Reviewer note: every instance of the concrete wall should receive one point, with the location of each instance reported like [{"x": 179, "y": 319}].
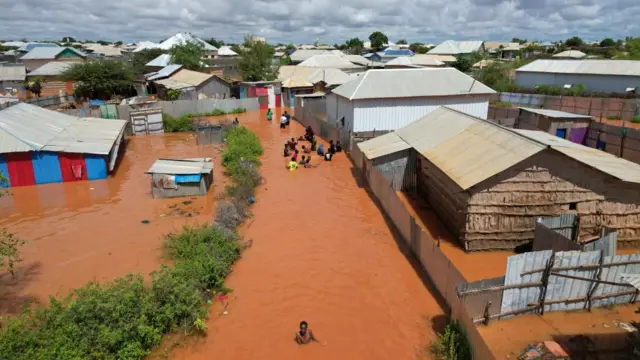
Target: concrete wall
[
  {"x": 392, "y": 114},
  {"x": 502, "y": 210},
  {"x": 594, "y": 83}
]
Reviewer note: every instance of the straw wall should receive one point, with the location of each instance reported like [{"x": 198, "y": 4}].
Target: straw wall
[{"x": 502, "y": 211}]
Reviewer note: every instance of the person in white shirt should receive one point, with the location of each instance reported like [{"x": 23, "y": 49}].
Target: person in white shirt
[{"x": 283, "y": 122}]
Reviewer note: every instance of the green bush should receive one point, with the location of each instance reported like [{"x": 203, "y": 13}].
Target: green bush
[
  {"x": 216, "y": 112},
  {"x": 125, "y": 319},
  {"x": 177, "y": 124},
  {"x": 635, "y": 119},
  {"x": 452, "y": 344},
  {"x": 241, "y": 161},
  {"x": 238, "y": 111},
  {"x": 613, "y": 117}
]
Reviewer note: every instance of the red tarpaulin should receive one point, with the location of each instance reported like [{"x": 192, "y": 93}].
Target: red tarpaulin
[
  {"x": 262, "y": 91},
  {"x": 72, "y": 167},
  {"x": 252, "y": 92},
  {"x": 20, "y": 169}
]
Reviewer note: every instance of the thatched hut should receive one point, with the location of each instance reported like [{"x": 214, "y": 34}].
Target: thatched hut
[{"x": 489, "y": 184}]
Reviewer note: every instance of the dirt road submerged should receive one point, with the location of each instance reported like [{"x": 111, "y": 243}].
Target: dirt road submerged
[{"x": 323, "y": 253}]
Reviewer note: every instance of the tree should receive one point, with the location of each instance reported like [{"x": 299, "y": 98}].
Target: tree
[
  {"x": 574, "y": 42},
  {"x": 463, "y": 64},
  {"x": 68, "y": 39},
  {"x": 354, "y": 45},
  {"x": 9, "y": 250},
  {"x": 608, "y": 42},
  {"x": 402, "y": 42},
  {"x": 189, "y": 55},
  {"x": 140, "y": 59},
  {"x": 418, "y": 48},
  {"x": 101, "y": 79},
  {"x": 378, "y": 39},
  {"x": 496, "y": 76},
  {"x": 256, "y": 61},
  {"x": 519, "y": 41},
  {"x": 118, "y": 43},
  {"x": 34, "y": 85},
  {"x": 285, "y": 60},
  {"x": 103, "y": 42},
  {"x": 216, "y": 43}
]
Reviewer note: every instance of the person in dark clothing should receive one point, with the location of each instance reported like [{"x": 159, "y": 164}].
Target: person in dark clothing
[
  {"x": 292, "y": 144},
  {"x": 303, "y": 160},
  {"x": 287, "y": 153},
  {"x": 332, "y": 147},
  {"x": 305, "y": 150},
  {"x": 236, "y": 121},
  {"x": 338, "y": 147},
  {"x": 308, "y": 134},
  {"x": 295, "y": 155},
  {"x": 328, "y": 156},
  {"x": 286, "y": 114}
]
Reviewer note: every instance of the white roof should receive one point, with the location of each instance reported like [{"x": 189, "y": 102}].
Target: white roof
[
  {"x": 25, "y": 127},
  {"x": 17, "y": 44},
  {"x": 164, "y": 72},
  {"x": 575, "y": 54},
  {"x": 106, "y": 50},
  {"x": 591, "y": 67},
  {"x": 329, "y": 61},
  {"x": 162, "y": 60},
  {"x": 452, "y": 47},
  {"x": 293, "y": 76},
  {"x": 181, "y": 166},
  {"x": 52, "y": 68},
  {"x": 184, "y": 79},
  {"x": 226, "y": 51},
  {"x": 12, "y": 73},
  {"x": 302, "y": 55},
  {"x": 383, "y": 145},
  {"x": 48, "y": 53},
  {"x": 183, "y": 38},
  {"x": 556, "y": 114},
  {"x": 404, "y": 83},
  {"x": 146, "y": 45},
  {"x": 416, "y": 60}
]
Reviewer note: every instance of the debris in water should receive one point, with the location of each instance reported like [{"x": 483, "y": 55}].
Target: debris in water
[
  {"x": 187, "y": 202},
  {"x": 173, "y": 206},
  {"x": 225, "y": 312},
  {"x": 145, "y": 221}
]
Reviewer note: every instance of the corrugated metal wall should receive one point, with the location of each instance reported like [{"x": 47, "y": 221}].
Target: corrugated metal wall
[
  {"x": 46, "y": 167},
  {"x": 4, "y": 171},
  {"x": 392, "y": 114},
  {"x": 595, "y": 83},
  {"x": 399, "y": 169},
  {"x": 96, "y": 166}
]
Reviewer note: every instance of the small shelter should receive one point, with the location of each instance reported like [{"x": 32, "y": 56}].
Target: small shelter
[
  {"x": 50, "y": 76},
  {"x": 180, "y": 177},
  {"x": 192, "y": 85},
  {"x": 489, "y": 184},
  {"x": 269, "y": 93},
  {"x": 573, "y": 127},
  {"x": 42, "y": 55}
]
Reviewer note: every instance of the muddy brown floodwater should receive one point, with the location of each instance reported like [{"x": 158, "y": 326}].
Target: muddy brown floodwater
[
  {"x": 322, "y": 252},
  {"x": 92, "y": 230}
]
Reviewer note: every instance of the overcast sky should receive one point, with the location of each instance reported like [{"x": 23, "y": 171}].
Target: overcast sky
[{"x": 330, "y": 21}]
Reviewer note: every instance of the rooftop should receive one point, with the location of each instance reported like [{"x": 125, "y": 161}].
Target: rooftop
[
  {"x": 26, "y": 47},
  {"x": 226, "y": 51},
  {"x": 416, "y": 60},
  {"x": 556, "y": 114},
  {"x": 52, "y": 68},
  {"x": 12, "y": 73},
  {"x": 184, "y": 79},
  {"x": 452, "y": 47},
  {"x": 49, "y": 53},
  {"x": 293, "y": 76},
  {"x": 181, "y": 166},
  {"x": 25, "y": 127},
  {"x": 591, "y": 67},
  {"x": 574, "y": 54},
  {"x": 402, "y": 83},
  {"x": 329, "y": 61},
  {"x": 470, "y": 150},
  {"x": 165, "y": 72},
  {"x": 302, "y": 55},
  {"x": 162, "y": 60}
]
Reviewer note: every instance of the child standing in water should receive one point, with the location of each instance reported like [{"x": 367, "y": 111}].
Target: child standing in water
[{"x": 269, "y": 115}]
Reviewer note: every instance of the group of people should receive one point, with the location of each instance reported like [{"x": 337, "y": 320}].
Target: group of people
[
  {"x": 291, "y": 151},
  {"x": 285, "y": 119}
]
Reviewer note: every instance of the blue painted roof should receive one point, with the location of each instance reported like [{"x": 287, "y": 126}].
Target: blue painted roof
[
  {"x": 30, "y": 46},
  {"x": 398, "y": 52}
]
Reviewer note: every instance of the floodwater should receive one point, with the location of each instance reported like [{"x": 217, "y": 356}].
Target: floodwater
[
  {"x": 322, "y": 252},
  {"x": 93, "y": 230}
]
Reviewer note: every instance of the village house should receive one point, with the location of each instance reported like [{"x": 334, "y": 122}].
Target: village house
[
  {"x": 269, "y": 93},
  {"x": 39, "y": 146},
  {"x": 180, "y": 177},
  {"x": 573, "y": 127},
  {"x": 300, "y": 80},
  {"x": 607, "y": 76},
  {"x": 570, "y": 54},
  {"x": 416, "y": 61},
  {"x": 331, "y": 61},
  {"x": 12, "y": 76},
  {"x": 301, "y": 55},
  {"x": 51, "y": 82},
  {"x": 489, "y": 184},
  {"x": 192, "y": 85},
  {"x": 390, "y": 99},
  {"x": 456, "y": 48},
  {"x": 42, "y": 55},
  {"x": 389, "y": 54}
]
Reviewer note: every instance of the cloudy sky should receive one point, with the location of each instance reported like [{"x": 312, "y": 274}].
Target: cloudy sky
[{"x": 330, "y": 21}]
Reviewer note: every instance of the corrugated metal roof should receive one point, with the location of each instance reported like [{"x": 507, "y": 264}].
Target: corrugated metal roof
[
  {"x": 556, "y": 114},
  {"x": 302, "y": 55},
  {"x": 331, "y": 77},
  {"x": 49, "y": 53},
  {"x": 185, "y": 79},
  {"x": 329, "y": 61},
  {"x": 592, "y": 67},
  {"x": 301, "y": 76},
  {"x": 12, "y": 73},
  {"x": 403, "y": 83},
  {"x": 146, "y": 45},
  {"x": 164, "y": 72},
  {"x": 226, "y": 51},
  {"x": 181, "y": 166},
  {"x": 383, "y": 145},
  {"x": 574, "y": 54},
  {"x": 162, "y": 60},
  {"x": 34, "y": 129},
  {"x": 26, "y": 47},
  {"x": 469, "y": 150},
  {"x": 612, "y": 165},
  {"x": 417, "y": 60},
  {"x": 183, "y": 38},
  {"x": 452, "y": 47},
  {"x": 106, "y": 50},
  {"x": 17, "y": 44},
  {"x": 52, "y": 68}
]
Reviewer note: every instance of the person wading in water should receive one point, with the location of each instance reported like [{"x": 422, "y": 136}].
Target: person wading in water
[{"x": 304, "y": 335}]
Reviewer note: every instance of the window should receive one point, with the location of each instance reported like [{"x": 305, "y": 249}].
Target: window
[{"x": 573, "y": 206}]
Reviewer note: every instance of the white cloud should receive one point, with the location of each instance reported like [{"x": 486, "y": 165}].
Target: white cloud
[{"x": 330, "y": 20}]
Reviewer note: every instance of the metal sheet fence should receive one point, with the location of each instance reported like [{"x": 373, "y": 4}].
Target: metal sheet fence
[{"x": 180, "y": 107}]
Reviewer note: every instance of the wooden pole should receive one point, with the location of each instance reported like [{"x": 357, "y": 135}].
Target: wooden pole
[
  {"x": 582, "y": 267},
  {"x": 591, "y": 280}
]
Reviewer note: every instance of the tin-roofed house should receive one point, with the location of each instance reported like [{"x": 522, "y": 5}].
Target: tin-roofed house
[
  {"x": 269, "y": 93},
  {"x": 12, "y": 76},
  {"x": 385, "y": 100},
  {"x": 50, "y": 76},
  {"x": 42, "y": 55},
  {"x": 192, "y": 85},
  {"x": 300, "y": 80},
  {"x": 180, "y": 177},
  {"x": 489, "y": 184},
  {"x": 573, "y": 127},
  {"x": 39, "y": 146}
]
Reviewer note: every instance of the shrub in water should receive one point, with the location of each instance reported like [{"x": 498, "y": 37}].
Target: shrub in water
[
  {"x": 452, "y": 344},
  {"x": 177, "y": 124},
  {"x": 635, "y": 119}
]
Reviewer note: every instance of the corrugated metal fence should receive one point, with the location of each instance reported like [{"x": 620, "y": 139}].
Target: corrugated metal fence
[{"x": 180, "y": 107}]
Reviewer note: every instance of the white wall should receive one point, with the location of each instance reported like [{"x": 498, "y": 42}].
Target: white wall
[
  {"x": 391, "y": 114},
  {"x": 339, "y": 107}
]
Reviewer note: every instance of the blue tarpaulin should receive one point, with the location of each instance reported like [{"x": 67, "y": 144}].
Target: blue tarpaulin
[
  {"x": 96, "y": 166},
  {"x": 96, "y": 102},
  {"x": 46, "y": 167},
  {"x": 188, "y": 178},
  {"x": 4, "y": 171}
]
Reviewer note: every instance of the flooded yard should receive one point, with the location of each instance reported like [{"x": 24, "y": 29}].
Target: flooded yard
[{"x": 321, "y": 252}]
